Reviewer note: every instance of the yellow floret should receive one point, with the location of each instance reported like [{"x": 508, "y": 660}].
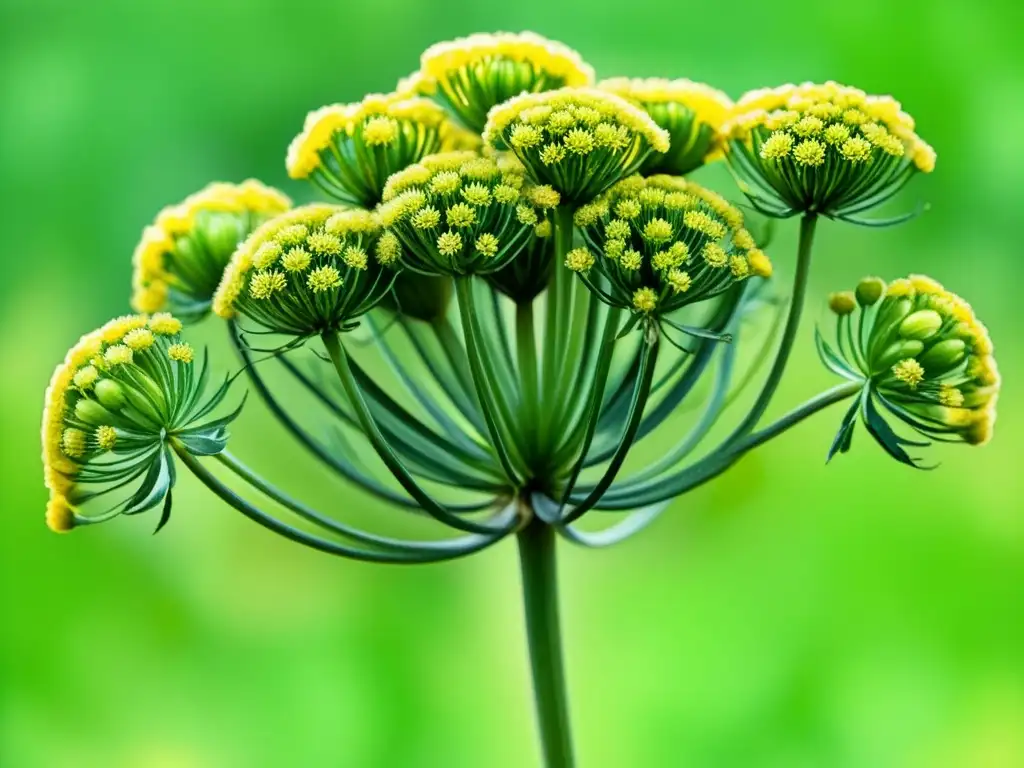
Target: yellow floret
[
  {"x": 449, "y": 244},
  {"x": 181, "y": 352},
  {"x": 645, "y": 300},
  {"x": 810, "y": 152},
  {"x": 164, "y": 324},
  {"x": 579, "y": 260},
  {"x": 323, "y": 279},
  {"x": 487, "y": 244},
  {"x": 909, "y": 371}
]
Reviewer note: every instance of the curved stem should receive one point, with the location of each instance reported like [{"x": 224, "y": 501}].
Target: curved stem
[
  {"x": 543, "y": 633},
  {"x": 470, "y": 544},
  {"x": 803, "y": 270},
  {"x": 660, "y": 489},
  {"x": 496, "y": 411},
  {"x": 526, "y": 358},
  {"x": 387, "y": 455},
  {"x": 336, "y": 527},
  {"x": 649, "y": 359}
]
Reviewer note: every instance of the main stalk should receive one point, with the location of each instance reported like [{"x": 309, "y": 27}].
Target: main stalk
[{"x": 544, "y": 637}]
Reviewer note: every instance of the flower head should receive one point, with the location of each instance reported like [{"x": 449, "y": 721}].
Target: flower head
[
  {"x": 350, "y": 149},
  {"x": 181, "y": 256},
  {"x": 603, "y": 138},
  {"x": 458, "y": 213},
  {"x": 923, "y": 357},
  {"x": 472, "y": 74},
  {"x": 325, "y": 276},
  {"x": 827, "y": 149},
  {"x": 670, "y": 238},
  {"x": 692, "y": 113},
  {"x": 111, "y": 412}
]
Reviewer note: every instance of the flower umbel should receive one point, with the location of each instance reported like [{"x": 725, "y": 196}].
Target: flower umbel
[
  {"x": 108, "y": 421},
  {"x": 924, "y": 358},
  {"x": 180, "y": 259},
  {"x": 349, "y": 150},
  {"x": 472, "y": 74},
  {"x": 459, "y": 213},
  {"x": 692, "y": 113},
  {"x": 664, "y": 243},
  {"x": 598, "y": 138},
  {"x": 308, "y": 271},
  {"x": 827, "y": 149}
]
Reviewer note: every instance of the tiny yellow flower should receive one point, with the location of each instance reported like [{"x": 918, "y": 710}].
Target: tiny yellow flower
[
  {"x": 296, "y": 260},
  {"x": 388, "y": 248},
  {"x": 679, "y": 281},
  {"x": 461, "y": 215},
  {"x": 579, "y": 260},
  {"x": 810, "y": 152},
  {"x": 426, "y": 218},
  {"x": 106, "y": 438},
  {"x": 645, "y": 300},
  {"x": 139, "y": 339},
  {"x": 118, "y": 355},
  {"x": 323, "y": 279},
  {"x": 487, "y": 244},
  {"x": 181, "y": 352},
  {"x": 909, "y": 371},
  {"x": 449, "y": 244}
]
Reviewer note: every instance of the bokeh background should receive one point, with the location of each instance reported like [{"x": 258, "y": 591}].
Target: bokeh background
[{"x": 790, "y": 614}]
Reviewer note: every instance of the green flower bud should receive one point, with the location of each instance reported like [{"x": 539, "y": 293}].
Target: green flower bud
[
  {"x": 92, "y": 412},
  {"x": 110, "y": 394},
  {"x": 842, "y": 303},
  {"x": 897, "y": 351},
  {"x": 944, "y": 355},
  {"x": 869, "y": 290},
  {"x": 222, "y": 233},
  {"x": 922, "y": 324}
]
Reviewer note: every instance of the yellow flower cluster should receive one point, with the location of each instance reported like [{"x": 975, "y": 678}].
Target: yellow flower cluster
[
  {"x": 461, "y": 212},
  {"x": 154, "y": 267},
  {"x": 665, "y": 242},
  {"x": 559, "y": 64},
  {"x": 287, "y": 275},
  {"x": 579, "y": 141},
  {"x": 550, "y": 116},
  {"x": 79, "y": 396},
  {"x": 810, "y": 122},
  {"x": 709, "y": 106},
  {"x": 377, "y": 120}
]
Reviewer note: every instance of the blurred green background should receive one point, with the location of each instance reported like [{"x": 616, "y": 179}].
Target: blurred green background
[{"x": 788, "y": 615}]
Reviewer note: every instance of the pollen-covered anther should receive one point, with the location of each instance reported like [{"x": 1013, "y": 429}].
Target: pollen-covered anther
[
  {"x": 951, "y": 396},
  {"x": 265, "y": 284},
  {"x": 323, "y": 279},
  {"x": 714, "y": 255},
  {"x": 909, "y": 371},
  {"x": 809, "y": 152},
  {"x": 118, "y": 355},
  {"x": 297, "y": 259},
  {"x": 657, "y": 230},
  {"x": 106, "y": 437},
  {"x": 181, "y": 352},
  {"x": 545, "y": 196},
  {"x": 449, "y": 244},
  {"x": 645, "y": 300},
  {"x": 164, "y": 324},
  {"x": 74, "y": 443},
  {"x": 777, "y": 146},
  {"x": 139, "y": 339},
  {"x": 579, "y": 260},
  {"x": 679, "y": 280}
]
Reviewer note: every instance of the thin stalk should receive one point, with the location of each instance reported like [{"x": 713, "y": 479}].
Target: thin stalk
[
  {"x": 559, "y": 296},
  {"x": 372, "y": 431},
  {"x": 526, "y": 356},
  {"x": 543, "y": 634},
  {"x": 803, "y": 270},
  {"x": 663, "y": 488}
]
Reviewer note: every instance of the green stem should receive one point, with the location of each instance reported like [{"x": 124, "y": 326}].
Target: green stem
[
  {"x": 497, "y": 412},
  {"x": 543, "y": 634},
  {"x": 559, "y": 296},
  {"x": 803, "y": 270},
  {"x": 372, "y": 431},
  {"x": 661, "y": 488},
  {"x": 526, "y": 355}
]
